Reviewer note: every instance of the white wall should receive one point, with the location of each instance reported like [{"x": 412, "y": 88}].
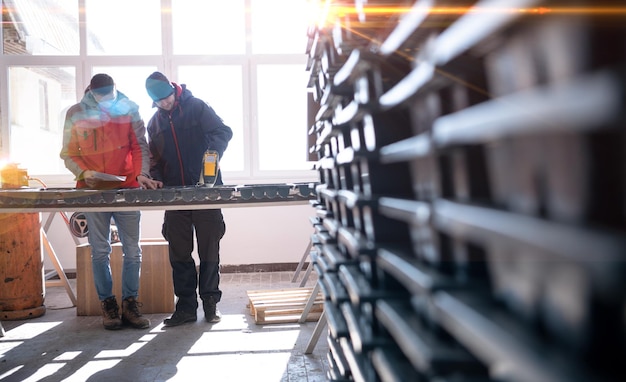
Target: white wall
[{"x": 254, "y": 235}]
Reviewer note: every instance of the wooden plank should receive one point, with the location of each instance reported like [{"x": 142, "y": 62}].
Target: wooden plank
[
  {"x": 287, "y": 319},
  {"x": 287, "y": 311},
  {"x": 285, "y": 304},
  {"x": 297, "y": 300},
  {"x": 282, "y": 292},
  {"x": 275, "y": 291},
  {"x": 283, "y": 307}
]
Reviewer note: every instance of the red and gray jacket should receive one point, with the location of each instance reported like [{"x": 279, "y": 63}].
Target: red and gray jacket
[{"x": 111, "y": 140}]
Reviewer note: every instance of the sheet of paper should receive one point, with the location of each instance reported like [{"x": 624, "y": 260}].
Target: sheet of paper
[{"x": 109, "y": 177}]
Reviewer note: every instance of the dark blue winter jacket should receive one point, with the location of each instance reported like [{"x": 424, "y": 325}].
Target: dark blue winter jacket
[{"x": 179, "y": 138}]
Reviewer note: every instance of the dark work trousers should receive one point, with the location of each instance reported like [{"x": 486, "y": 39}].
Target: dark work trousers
[{"x": 178, "y": 229}]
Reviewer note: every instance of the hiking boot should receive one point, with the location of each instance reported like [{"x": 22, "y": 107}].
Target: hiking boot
[
  {"x": 179, "y": 317},
  {"x": 131, "y": 315},
  {"x": 110, "y": 314},
  {"x": 211, "y": 313}
]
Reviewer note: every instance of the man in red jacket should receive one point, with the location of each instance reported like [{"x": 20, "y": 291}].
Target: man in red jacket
[{"x": 105, "y": 147}]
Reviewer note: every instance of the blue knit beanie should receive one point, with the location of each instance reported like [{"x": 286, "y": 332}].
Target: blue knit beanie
[{"x": 158, "y": 86}]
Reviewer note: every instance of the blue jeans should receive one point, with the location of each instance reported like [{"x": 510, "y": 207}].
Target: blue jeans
[{"x": 128, "y": 227}]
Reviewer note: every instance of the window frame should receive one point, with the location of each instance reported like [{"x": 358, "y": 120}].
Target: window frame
[{"x": 167, "y": 63}]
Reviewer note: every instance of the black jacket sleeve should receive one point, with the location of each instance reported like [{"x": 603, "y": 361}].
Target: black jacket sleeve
[{"x": 217, "y": 134}]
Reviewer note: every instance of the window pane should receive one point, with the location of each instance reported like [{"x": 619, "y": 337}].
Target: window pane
[
  {"x": 123, "y": 27},
  {"x": 131, "y": 81},
  {"x": 221, "y": 87},
  {"x": 40, "y": 28},
  {"x": 36, "y": 129},
  {"x": 209, "y": 27},
  {"x": 279, "y": 26},
  {"x": 282, "y": 122}
]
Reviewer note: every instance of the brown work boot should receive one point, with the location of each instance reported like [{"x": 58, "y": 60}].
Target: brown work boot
[
  {"x": 110, "y": 314},
  {"x": 131, "y": 315}
]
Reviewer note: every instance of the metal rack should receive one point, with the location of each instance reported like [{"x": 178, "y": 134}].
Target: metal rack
[{"x": 471, "y": 210}]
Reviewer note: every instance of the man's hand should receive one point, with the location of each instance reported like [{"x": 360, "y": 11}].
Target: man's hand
[
  {"x": 90, "y": 178},
  {"x": 148, "y": 183}
]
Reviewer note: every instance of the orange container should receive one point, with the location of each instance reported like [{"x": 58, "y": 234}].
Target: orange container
[
  {"x": 13, "y": 176},
  {"x": 21, "y": 267}
]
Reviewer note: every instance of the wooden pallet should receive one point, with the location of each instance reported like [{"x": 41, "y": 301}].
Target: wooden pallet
[{"x": 279, "y": 306}]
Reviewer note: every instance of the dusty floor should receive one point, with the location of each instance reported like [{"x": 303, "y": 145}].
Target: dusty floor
[{"x": 61, "y": 346}]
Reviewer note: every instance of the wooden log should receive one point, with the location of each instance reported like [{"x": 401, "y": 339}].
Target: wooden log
[{"x": 21, "y": 267}]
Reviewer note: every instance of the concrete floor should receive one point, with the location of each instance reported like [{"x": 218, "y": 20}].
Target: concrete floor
[{"x": 61, "y": 346}]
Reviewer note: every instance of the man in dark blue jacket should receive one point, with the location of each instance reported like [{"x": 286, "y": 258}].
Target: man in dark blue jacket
[{"x": 181, "y": 131}]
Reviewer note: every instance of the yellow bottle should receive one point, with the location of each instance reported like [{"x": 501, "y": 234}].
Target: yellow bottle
[{"x": 211, "y": 165}]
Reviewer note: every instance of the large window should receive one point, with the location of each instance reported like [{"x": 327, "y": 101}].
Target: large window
[
  {"x": 245, "y": 58},
  {"x": 36, "y": 28},
  {"x": 32, "y": 146},
  {"x": 282, "y": 110},
  {"x": 209, "y": 27},
  {"x": 279, "y": 26},
  {"x": 221, "y": 86},
  {"x": 122, "y": 27}
]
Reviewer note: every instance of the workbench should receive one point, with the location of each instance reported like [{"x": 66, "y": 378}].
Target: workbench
[{"x": 60, "y": 200}]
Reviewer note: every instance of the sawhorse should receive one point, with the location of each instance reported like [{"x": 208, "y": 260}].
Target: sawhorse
[
  {"x": 321, "y": 323},
  {"x": 307, "y": 251},
  {"x": 315, "y": 221},
  {"x": 63, "y": 281},
  {"x": 319, "y": 326}
]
